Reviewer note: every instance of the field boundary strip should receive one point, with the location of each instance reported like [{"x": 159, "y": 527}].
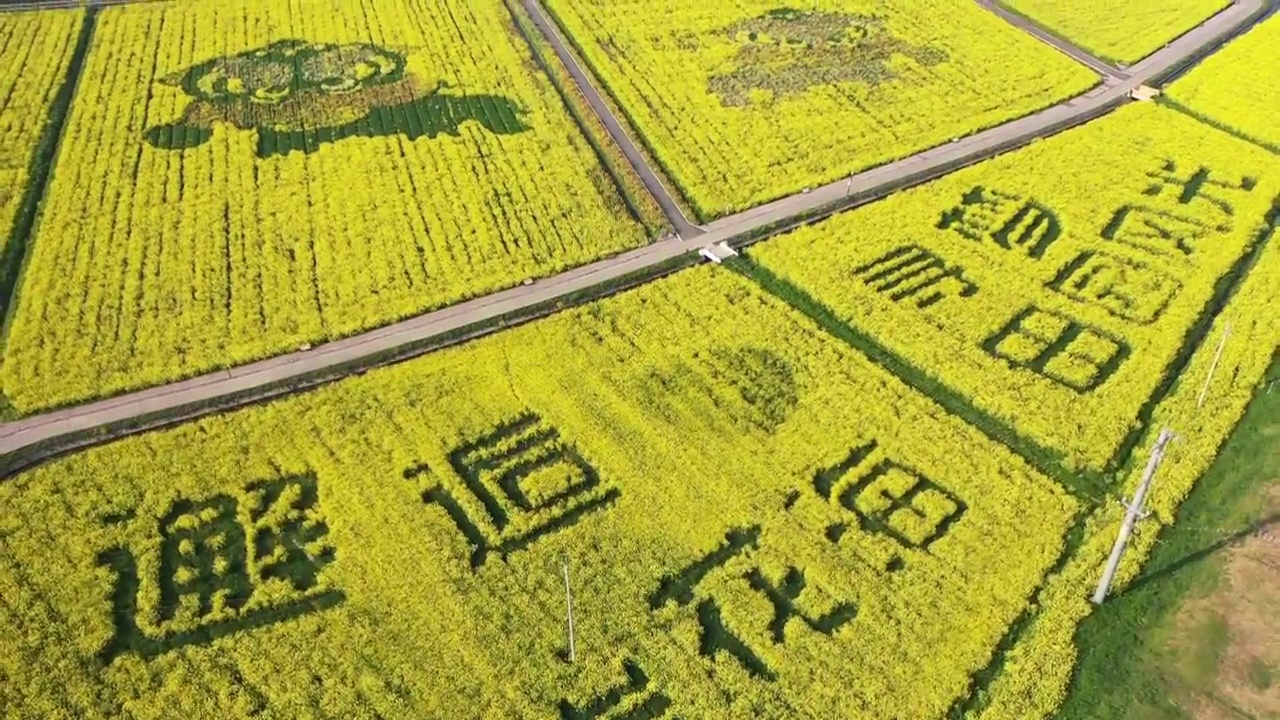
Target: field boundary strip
[
  {"x": 966, "y": 705},
  {"x": 1094, "y": 489},
  {"x": 1077, "y": 536},
  {"x": 1224, "y": 290},
  {"x": 1086, "y": 485},
  {"x": 28, "y": 441},
  {"x": 1227, "y": 288}
]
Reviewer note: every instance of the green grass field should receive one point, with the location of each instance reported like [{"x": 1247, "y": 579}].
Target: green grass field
[{"x": 1162, "y": 648}]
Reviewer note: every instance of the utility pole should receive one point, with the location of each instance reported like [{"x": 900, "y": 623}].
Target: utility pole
[
  {"x": 1133, "y": 512},
  {"x": 568, "y": 601},
  {"x": 1204, "y": 391}
]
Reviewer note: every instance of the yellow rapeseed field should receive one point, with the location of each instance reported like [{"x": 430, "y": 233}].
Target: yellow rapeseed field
[
  {"x": 35, "y": 49},
  {"x": 1118, "y": 30},
  {"x": 751, "y": 529},
  {"x": 239, "y": 178},
  {"x": 1238, "y": 86},
  {"x": 743, "y": 102},
  {"x": 1056, "y": 286},
  {"x": 867, "y": 470}
]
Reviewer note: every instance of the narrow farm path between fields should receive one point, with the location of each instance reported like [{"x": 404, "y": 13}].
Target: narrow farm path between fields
[
  {"x": 1077, "y": 53},
  {"x": 652, "y": 182},
  {"x": 25, "y": 441}
]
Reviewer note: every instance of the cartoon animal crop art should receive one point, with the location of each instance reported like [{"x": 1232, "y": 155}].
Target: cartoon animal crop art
[
  {"x": 300, "y": 95},
  {"x": 785, "y": 52}
]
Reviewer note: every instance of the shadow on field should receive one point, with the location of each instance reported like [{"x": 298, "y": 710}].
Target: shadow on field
[{"x": 1197, "y": 555}]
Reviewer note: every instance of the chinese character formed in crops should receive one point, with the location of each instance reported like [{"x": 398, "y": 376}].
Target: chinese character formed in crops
[
  {"x": 632, "y": 695},
  {"x": 914, "y": 272},
  {"x": 521, "y": 471},
  {"x": 1059, "y": 348},
  {"x": 1158, "y": 232},
  {"x": 1005, "y": 219},
  {"x": 299, "y": 96},
  {"x": 888, "y": 499},
  {"x": 212, "y": 561},
  {"x": 1196, "y": 189},
  {"x": 783, "y": 595},
  {"x": 204, "y": 552},
  {"x": 1189, "y": 208},
  {"x": 1129, "y": 290}
]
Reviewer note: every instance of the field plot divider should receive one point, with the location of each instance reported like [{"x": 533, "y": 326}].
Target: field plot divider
[
  {"x": 1227, "y": 288},
  {"x": 978, "y": 697},
  {"x": 1168, "y": 102},
  {"x": 602, "y": 154},
  {"x": 1224, "y": 290},
  {"x": 651, "y": 179},
  {"x": 969, "y": 705}
]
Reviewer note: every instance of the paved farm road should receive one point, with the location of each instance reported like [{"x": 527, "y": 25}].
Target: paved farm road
[{"x": 194, "y": 397}]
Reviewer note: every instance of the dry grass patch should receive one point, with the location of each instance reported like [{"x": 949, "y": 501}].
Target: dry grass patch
[{"x": 1230, "y": 638}]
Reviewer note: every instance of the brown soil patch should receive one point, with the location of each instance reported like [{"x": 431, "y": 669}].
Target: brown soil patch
[{"x": 1246, "y": 681}]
